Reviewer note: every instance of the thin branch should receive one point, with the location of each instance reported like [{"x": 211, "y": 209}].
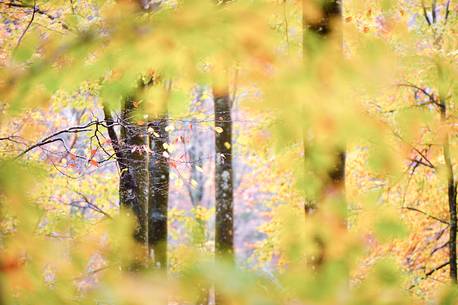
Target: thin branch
[
  {"x": 426, "y": 214},
  {"x": 425, "y": 14},
  {"x": 431, "y": 272},
  {"x": 112, "y": 132},
  {"x": 447, "y": 12},
  {"x": 93, "y": 206},
  {"x": 28, "y": 25},
  {"x": 38, "y": 11}
]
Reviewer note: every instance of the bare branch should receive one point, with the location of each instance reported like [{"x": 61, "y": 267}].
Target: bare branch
[
  {"x": 426, "y": 214},
  {"x": 28, "y": 25}
]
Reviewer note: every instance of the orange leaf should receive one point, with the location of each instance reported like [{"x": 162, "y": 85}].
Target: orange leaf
[
  {"x": 93, "y": 152},
  {"x": 94, "y": 163},
  {"x": 172, "y": 164}
]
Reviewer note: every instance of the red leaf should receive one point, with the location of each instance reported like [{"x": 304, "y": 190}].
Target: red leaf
[
  {"x": 94, "y": 163},
  {"x": 172, "y": 164},
  {"x": 93, "y": 152},
  {"x": 10, "y": 264}
]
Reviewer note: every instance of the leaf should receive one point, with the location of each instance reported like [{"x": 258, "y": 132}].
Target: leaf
[
  {"x": 219, "y": 129},
  {"x": 169, "y": 128},
  {"x": 172, "y": 164},
  {"x": 93, "y": 152},
  {"x": 194, "y": 183},
  {"x": 94, "y": 163}
]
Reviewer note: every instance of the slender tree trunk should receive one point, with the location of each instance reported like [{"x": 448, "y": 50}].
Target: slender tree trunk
[
  {"x": 224, "y": 185},
  {"x": 158, "y": 191},
  {"x": 224, "y": 239},
  {"x": 451, "y": 186},
  {"x": 321, "y": 29},
  {"x": 224, "y": 215}
]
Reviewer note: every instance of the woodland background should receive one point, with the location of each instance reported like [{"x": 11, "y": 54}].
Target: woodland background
[{"x": 228, "y": 152}]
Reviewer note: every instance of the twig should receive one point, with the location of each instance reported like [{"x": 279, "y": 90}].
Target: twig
[
  {"x": 28, "y": 25},
  {"x": 426, "y": 214}
]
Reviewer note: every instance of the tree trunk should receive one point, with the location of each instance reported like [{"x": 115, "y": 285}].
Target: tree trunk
[
  {"x": 451, "y": 187},
  {"x": 321, "y": 30},
  {"x": 224, "y": 215},
  {"x": 132, "y": 159},
  {"x": 158, "y": 191},
  {"x": 133, "y": 190},
  {"x": 224, "y": 223}
]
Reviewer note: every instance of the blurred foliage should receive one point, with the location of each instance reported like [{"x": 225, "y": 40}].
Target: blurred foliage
[{"x": 370, "y": 96}]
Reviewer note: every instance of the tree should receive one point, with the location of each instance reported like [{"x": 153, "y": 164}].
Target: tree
[
  {"x": 159, "y": 170},
  {"x": 132, "y": 157},
  {"x": 316, "y": 33}
]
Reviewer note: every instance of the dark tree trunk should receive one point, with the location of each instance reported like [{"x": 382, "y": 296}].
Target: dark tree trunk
[
  {"x": 224, "y": 223},
  {"x": 316, "y": 35},
  {"x": 321, "y": 29},
  {"x": 133, "y": 187},
  {"x": 224, "y": 185},
  {"x": 224, "y": 215},
  {"x": 452, "y": 192},
  {"x": 158, "y": 192},
  {"x": 132, "y": 159}
]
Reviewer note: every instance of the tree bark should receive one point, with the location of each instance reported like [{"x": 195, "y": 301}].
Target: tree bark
[
  {"x": 451, "y": 193},
  {"x": 322, "y": 29},
  {"x": 133, "y": 188},
  {"x": 159, "y": 170},
  {"x": 224, "y": 215},
  {"x": 224, "y": 224},
  {"x": 132, "y": 159}
]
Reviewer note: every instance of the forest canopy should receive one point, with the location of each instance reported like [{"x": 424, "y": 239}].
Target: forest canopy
[{"x": 228, "y": 152}]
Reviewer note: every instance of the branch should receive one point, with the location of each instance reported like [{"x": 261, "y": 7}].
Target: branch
[
  {"x": 431, "y": 272},
  {"x": 425, "y": 14},
  {"x": 93, "y": 206},
  {"x": 430, "y": 96},
  {"x": 49, "y": 139},
  {"x": 447, "y": 12},
  {"x": 436, "y": 269},
  {"x": 426, "y": 214},
  {"x": 112, "y": 132},
  {"x": 38, "y": 11},
  {"x": 28, "y": 25}
]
